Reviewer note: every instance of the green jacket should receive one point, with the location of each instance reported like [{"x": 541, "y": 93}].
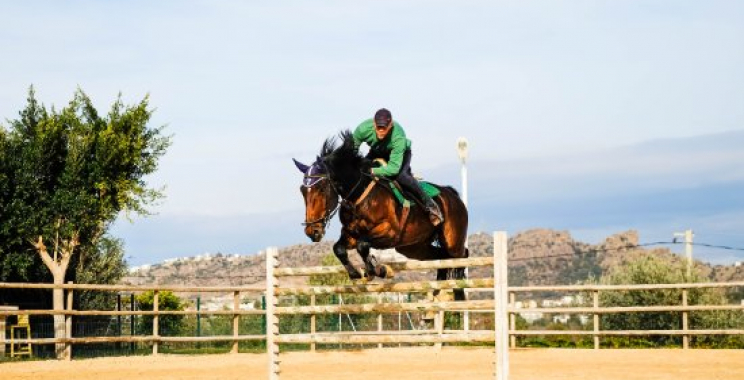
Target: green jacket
[{"x": 394, "y": 145}]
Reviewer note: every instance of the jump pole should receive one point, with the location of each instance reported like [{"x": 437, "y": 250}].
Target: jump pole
[
  {"x": 500, "y": 305},
  {"x": 272, "y": 320}
]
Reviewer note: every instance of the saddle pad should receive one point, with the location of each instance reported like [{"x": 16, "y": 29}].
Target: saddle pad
[{"x": 429, "y": 189}]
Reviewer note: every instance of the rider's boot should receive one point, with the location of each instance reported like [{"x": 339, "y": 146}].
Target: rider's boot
[{"x": 435, "y": 214}]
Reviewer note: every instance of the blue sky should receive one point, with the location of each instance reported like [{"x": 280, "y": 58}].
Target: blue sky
[{"x": 538, "y": 87}]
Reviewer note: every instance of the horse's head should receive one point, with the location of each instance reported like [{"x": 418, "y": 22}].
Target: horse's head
[{"x": 321, "y": 200}]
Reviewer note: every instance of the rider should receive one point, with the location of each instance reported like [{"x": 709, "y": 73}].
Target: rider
[{"x": 387, "y": 140}]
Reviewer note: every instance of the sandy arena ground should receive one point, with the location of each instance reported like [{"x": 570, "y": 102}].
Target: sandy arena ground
[{"x": 403, "y": 364}]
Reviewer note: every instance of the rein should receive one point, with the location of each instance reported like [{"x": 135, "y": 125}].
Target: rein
[{"x": 352, "y": 205}]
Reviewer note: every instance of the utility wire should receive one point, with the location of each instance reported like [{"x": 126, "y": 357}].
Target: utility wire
[{"x": 580, "y": 251}]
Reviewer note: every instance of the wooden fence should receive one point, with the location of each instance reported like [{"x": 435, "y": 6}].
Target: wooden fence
[
  {"x": 504, "y": 299},
  {"x": 155, "y": 338},
  {"x": 596, "y": 310}
]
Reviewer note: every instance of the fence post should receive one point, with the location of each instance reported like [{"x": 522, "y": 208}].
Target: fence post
[
  {"x": 272, "y": 321},
  {"x": 512, "y": 322},
  {"x": 500, "y": 272},
  {"x": 312, "y": 322},
  {"x": 131, "y": 321},
  {"x": 198, "y": 319},
  {"x": 439, "y": 326},
  {"x": 379, "y": 318},
  {"x": 68, "y": 325},
  {"x": 595, "y": 296},
  {"x": 155, "y": 321},
  {"x": 685, "y": 322},
  {"x": 236, "y": 321},
  {"x": 118, "y": 320}
]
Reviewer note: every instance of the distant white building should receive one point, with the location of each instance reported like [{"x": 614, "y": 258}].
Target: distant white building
[
  {"x": 529, "y": 316},
  {"x": 551, "y": 303},
  {"x": 139, "y": 268},
  {"x": 168, "y": 262},
  {"x": 561, "y": 318}
]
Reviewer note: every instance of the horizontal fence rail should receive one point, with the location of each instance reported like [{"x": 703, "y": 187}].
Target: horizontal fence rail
[
  {"x": 589, "y": 288},
  {"x": 401, "y": 287},
  {"x": 143, "y": 339},
  {"x": 136, "y": 288},
  {"x": 386, "y": 307},
  {"x": 132, "y": 312},
  {"x": 399, "y": 266},
  {"x": 387, "y": 338},
  {"x": 627, "y": 332},
  {"x": 623, "y": 309}
]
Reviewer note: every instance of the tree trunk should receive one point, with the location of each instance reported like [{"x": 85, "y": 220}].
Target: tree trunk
[
  {"x": 58, "y": 303},
  {"x": 58, "y": 269}
]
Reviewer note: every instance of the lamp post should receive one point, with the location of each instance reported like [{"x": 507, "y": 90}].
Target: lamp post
[
  {"x": 688, "y": 235},
  {"x": 462, "y": 152}
]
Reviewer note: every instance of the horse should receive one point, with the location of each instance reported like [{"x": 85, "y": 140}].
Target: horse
[{"x": 370, "y": 215}]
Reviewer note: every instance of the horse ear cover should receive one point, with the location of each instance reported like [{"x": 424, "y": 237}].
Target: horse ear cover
[{"x": 302, "y": 167}]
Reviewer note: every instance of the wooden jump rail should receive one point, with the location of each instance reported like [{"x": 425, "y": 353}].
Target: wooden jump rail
[
  {"x": 406, "y": 265},
  {"x": 401, "y": 287},
  {"x": 498, "y": 284}
]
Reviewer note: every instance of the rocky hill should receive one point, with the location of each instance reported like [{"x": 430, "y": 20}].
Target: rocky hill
[{"x": 536, "y": 257}]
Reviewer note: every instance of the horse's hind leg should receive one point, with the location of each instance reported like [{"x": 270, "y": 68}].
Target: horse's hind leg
[{"x": 453, "y": 237}]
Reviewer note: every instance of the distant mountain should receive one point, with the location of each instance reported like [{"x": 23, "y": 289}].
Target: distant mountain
[{"x": 536, "y": 257}]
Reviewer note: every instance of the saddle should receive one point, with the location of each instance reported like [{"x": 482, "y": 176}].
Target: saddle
[{"x": 404, "y": 197}]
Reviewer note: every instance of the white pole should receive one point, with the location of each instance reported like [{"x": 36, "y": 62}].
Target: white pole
[
  {"x": 272, "y": 320},
  {"x": 464, "y": 174},
  {"x": 501, "y": 304},
  {"x": 688, "y": 252},
  {"x": 462, "y": 152},
  {"x": 688, "y": 235}
]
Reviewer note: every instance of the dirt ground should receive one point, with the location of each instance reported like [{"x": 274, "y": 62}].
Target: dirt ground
[{"x": 402, "y": 363}]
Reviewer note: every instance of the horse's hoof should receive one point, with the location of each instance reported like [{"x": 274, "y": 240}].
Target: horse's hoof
[
  {"x": 386, "y": 271},
  {"x": 366, "y": 276}
]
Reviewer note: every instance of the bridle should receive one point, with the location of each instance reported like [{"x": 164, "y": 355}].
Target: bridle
[{"x": 310, "y": 181}]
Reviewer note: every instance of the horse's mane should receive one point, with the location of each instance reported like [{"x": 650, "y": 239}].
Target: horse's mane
[
  {"x": 344, "y": 160},
  {"x": 328, "y": 146}
]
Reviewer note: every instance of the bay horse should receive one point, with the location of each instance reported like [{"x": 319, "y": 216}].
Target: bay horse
[{"x": 371, "y": 217}]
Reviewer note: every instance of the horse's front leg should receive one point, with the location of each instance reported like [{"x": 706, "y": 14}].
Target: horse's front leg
[
  {"x": 372, "y": 267},
  {"x": 370, "y": 262},
  {"x": 340, "y": 249}
]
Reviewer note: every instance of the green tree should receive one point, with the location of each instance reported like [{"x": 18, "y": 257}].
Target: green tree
[
  {"x": 171, "y": 325},
  {"x": 71, "y": 173}
]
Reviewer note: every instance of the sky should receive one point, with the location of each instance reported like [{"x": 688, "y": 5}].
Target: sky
[{"x": 587, "y": 104}]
